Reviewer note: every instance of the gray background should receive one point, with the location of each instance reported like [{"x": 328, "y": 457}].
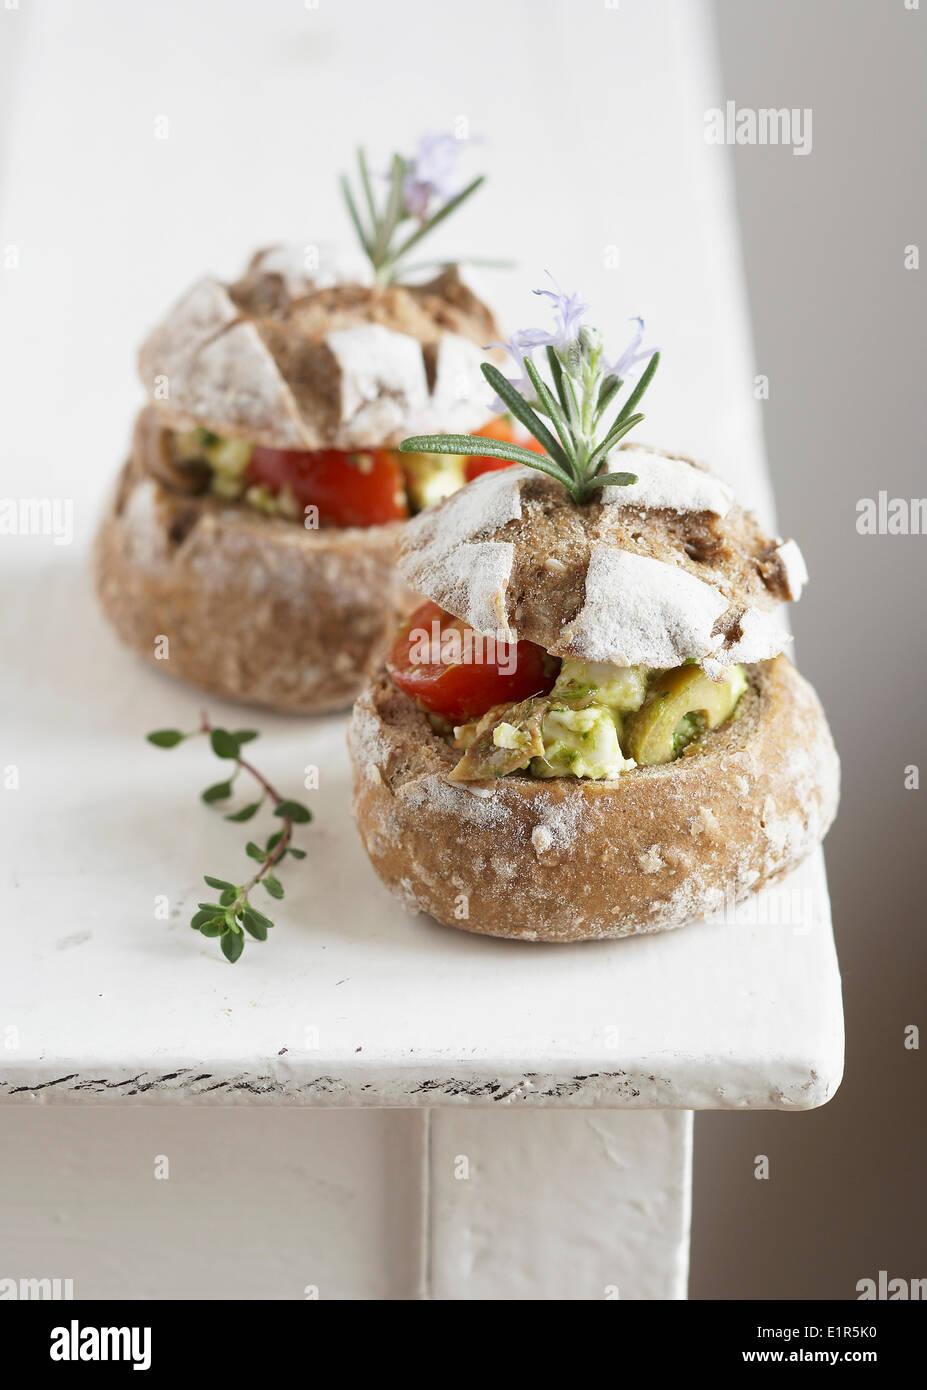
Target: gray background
[{"x": 839, "y": 330}]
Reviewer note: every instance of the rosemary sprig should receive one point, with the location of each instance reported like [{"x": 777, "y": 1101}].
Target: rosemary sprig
[
  {"x": 420, "y": 195},
  {"x": 581, "y": 391},
  {"x": 234, "y": 914}
]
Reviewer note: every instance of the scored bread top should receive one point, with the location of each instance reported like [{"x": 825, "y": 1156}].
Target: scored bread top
[
  {"x": 291, "y": 359},
  {"x": 666, "y": 570}
]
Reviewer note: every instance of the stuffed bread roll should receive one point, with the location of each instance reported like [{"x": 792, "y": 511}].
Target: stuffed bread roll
[{"x": 590, "y": 730}]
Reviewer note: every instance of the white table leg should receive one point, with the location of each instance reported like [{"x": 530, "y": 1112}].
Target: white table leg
[{"x": 552, "y": 1204}]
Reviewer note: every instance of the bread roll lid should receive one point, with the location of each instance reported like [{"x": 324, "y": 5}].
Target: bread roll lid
[
  {"x": 294, "y": 358},
  {"x": 666, "y": 570}
]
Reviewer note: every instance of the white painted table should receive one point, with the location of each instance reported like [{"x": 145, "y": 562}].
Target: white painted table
[{"x": 352, "y": 1003}]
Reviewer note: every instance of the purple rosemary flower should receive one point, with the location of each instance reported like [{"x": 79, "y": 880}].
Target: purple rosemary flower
[
  {"x": 568, "y": 311},
  {"x": 624, "y": 366},
  {"x": 432, "y": 177}
]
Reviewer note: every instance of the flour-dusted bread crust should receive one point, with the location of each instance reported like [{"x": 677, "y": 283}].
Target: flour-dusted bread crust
[
  {"x": 255, "y": 608},
  {"x": 570, "y": 860},
  {"x": 663, "y": 571},
  {"x": 287, "y": 359}
]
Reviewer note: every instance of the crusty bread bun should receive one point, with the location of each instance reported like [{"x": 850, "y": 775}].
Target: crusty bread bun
[
  {"x": 254, "y": 607},
  {"x": 259, "y": 608},
  {"x": 285, "y": 360},
  {"x": 666, "y": 570},
  {"x": 574, "y": 860}
]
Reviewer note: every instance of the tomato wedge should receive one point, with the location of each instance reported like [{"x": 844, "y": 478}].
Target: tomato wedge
[
  {"x": 500, "y": 428},
  {"x": 450, "y": 670},
  {"x": 363, "y": 488}
]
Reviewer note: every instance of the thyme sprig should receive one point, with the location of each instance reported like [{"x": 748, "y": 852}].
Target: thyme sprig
[
  {"x": 576, "y": 400},
  {"x": 234, "y": 914},
  {"x": 422, "y": 192}
]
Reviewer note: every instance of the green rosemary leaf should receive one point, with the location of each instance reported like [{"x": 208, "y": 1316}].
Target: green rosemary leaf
[
  {"x": 294, "y": 811},
  {"x": 618, "y": 430},
  {"x": 166, "y": 738},
  {"x": 613, "y": 480},
  {"x": 556, "y": 371},
  {"x": 368, "y": 190},
  {"x": 492, "y": 448},
  {"x": 607, "y": 392},
  {"x": 355, "y": 217},
  {"x": 450, "y": 206},
  {"x": 640, "y": 388},
  {"x": 561, "y": 425},
  {"x": 391, "y": 217},
  {"x": 245, "y": 813},
  {"x": 217, "y": 882},
  {"x": 232, "y": 943},
  {"x": 273, "y": 886},
  {"x": 218, "y": 792},
  {"x": 525, "y": 415}
]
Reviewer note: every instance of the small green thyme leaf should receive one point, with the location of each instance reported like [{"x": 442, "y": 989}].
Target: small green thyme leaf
[
  {"x": 214, "y": 927},
  {"x": 198, "y": 918},
  {"x": 228, "y": 897},
  {"x": 296, "y": 853},
  {"x": 274, "y": 840},
  {"x": 273, "y": 886},
  {"x": 259, "y": 917},
  {"x": 254, "y": 924},
  {"x": 255, "y": 851},
  {"x": 218, "y": 792},
  {"x": 232, "y": 943},
  {"x": 245, "y": 735},
  {"x": 224, "y": 744},
  {"x": 217, "y": 882},
  {"x": 166, "y": 738},
  {"x": 294, "y": 811},
  {"x": 246, "y": 812}
]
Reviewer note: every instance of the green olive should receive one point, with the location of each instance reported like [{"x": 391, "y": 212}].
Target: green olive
[{"x": 651, "y": 731}]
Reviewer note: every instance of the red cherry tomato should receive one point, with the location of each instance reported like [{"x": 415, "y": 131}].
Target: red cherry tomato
[
  {"x": 450, "y": 670},
  {"x": 500, "y": 428},
  {"x": 357, "y": 489}
]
